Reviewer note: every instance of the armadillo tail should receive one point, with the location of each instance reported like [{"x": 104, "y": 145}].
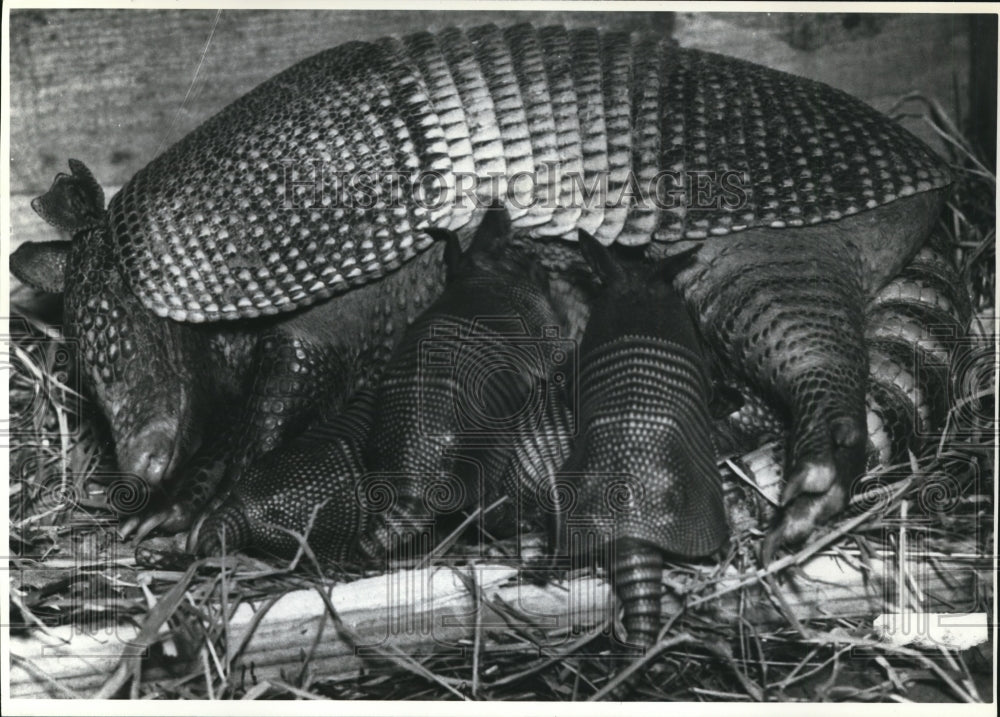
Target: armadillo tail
[
  {"x": 914, "y": 324},
  {"x": 638, "y": 578},
  {"x": 225, "y": 531}
]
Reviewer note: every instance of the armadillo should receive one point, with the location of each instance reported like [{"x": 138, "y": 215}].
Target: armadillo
[
  {"x": 308, "y": 201},
  {"x": 914, "y": 329},
  {"x": 616, "y": 455},
  {"x": 644, "y": 461},
  {"x": 307, "y": 488},
  {"x": 454, "y": 424},
  {"x": 460, "y": 402}
]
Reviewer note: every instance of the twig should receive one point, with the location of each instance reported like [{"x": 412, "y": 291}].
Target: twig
[
  {"x": 130, "y": 661},
  {"x": 43, "y": 675},
  {"x": 621, "y": 677}
]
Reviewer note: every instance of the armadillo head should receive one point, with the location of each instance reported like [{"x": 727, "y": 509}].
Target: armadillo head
[
  {"x": 492, "y": 258},
  {"x": 631, "y": 288},
  {"x": 136, "y": 367}
]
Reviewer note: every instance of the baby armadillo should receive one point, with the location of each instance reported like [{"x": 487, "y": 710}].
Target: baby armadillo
[
  {"x": 461, "y": 404},
  {"x": 306, "y": 488},
  {"x": 644, "y": 460}
]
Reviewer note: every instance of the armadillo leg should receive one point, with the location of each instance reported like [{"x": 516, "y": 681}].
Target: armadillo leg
[
  {"x": 789, "y": 319},
  {"x": 291, "y": 378}
]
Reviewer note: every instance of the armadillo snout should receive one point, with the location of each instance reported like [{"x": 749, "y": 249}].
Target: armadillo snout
[{"x": 151, "y": 453}]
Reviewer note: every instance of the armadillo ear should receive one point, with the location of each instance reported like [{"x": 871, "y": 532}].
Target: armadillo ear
[
  {"x": 89, "y": 185},
  {"x": 493, "y": 231},
  {"x": 41, "y": 265},
  {"x": 497, "y": 221},
  {"x": 452, "y": 248},
  {"x": 452, "y": 254},
  {"x": 73, "y": 203},
  {"x": 600, "y": 259}
]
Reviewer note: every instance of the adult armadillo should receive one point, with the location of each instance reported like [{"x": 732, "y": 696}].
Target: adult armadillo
[
  {"x": 804, "y": 201},
  {"x": 182, "y": 397},
  {"x": 453, "y": 424},
  {"x": 644, "y": 458}
]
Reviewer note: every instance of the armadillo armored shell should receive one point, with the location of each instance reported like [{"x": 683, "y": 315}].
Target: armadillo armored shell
[{"x": 262, "y": 208}]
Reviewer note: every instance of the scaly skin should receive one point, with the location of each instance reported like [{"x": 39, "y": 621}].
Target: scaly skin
[
  {"x": 910, "y": 327},
  {"x": 307, "y": 489},
  {"x": 461, "y": 396},
  {"x": 800, "y": 342},
  {"x": 417, "y": 439},
  {"x": 228, "y": 224}
]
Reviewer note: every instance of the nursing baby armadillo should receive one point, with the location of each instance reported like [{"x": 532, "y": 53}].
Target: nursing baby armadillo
[
  {"x": 307, "y": 490},
  {"x": 644, "y": 460},
  {"x": 452, "y": 426},
  {"x": 324, "y": 180},
  {"x": 467, "y": 387}
]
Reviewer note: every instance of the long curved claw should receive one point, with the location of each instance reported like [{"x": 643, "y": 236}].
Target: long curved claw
[
  {"x": 800, "y": 518},
  {"x": 128, "y": 527},
  {"x": 818, "y": 487},
  {"x": 176, "y": 517},
  {"x": 151, "y": 522},
  {"x": 191, "y": 542},
  {"x": 180, "y": 517}
]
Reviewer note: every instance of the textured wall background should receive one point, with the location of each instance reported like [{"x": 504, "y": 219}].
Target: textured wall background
[{"x": 114, "y": 87}]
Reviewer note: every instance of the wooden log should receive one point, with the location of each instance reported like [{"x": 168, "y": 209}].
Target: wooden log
[{"x": 433, "y": 611}]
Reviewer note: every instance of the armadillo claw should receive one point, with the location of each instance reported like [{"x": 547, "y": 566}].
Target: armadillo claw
[
  {"x": 179, "y": 518},
  {"x": 817, "y": 488},
  {"x": 162, "y": 554},
  {"x": 192, "y": 492},
  {"x": 812, "y": 477},
  {"x": 152, "y": 522},
  {"x": 800, "y": 518},
  {"x": 128, "y": 527},
  {"x": 170, "y": 519}
]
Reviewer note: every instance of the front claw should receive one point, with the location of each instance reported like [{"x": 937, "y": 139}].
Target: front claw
[
  {"x": 800, "y": 518},
  {"x": 173, "y": 513},
  {"x": 163, "y": 554},
  {"x": 152, "y": 522},
  {"x": 818, "y": 486},
  {"x": 137, "y": 526}
]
